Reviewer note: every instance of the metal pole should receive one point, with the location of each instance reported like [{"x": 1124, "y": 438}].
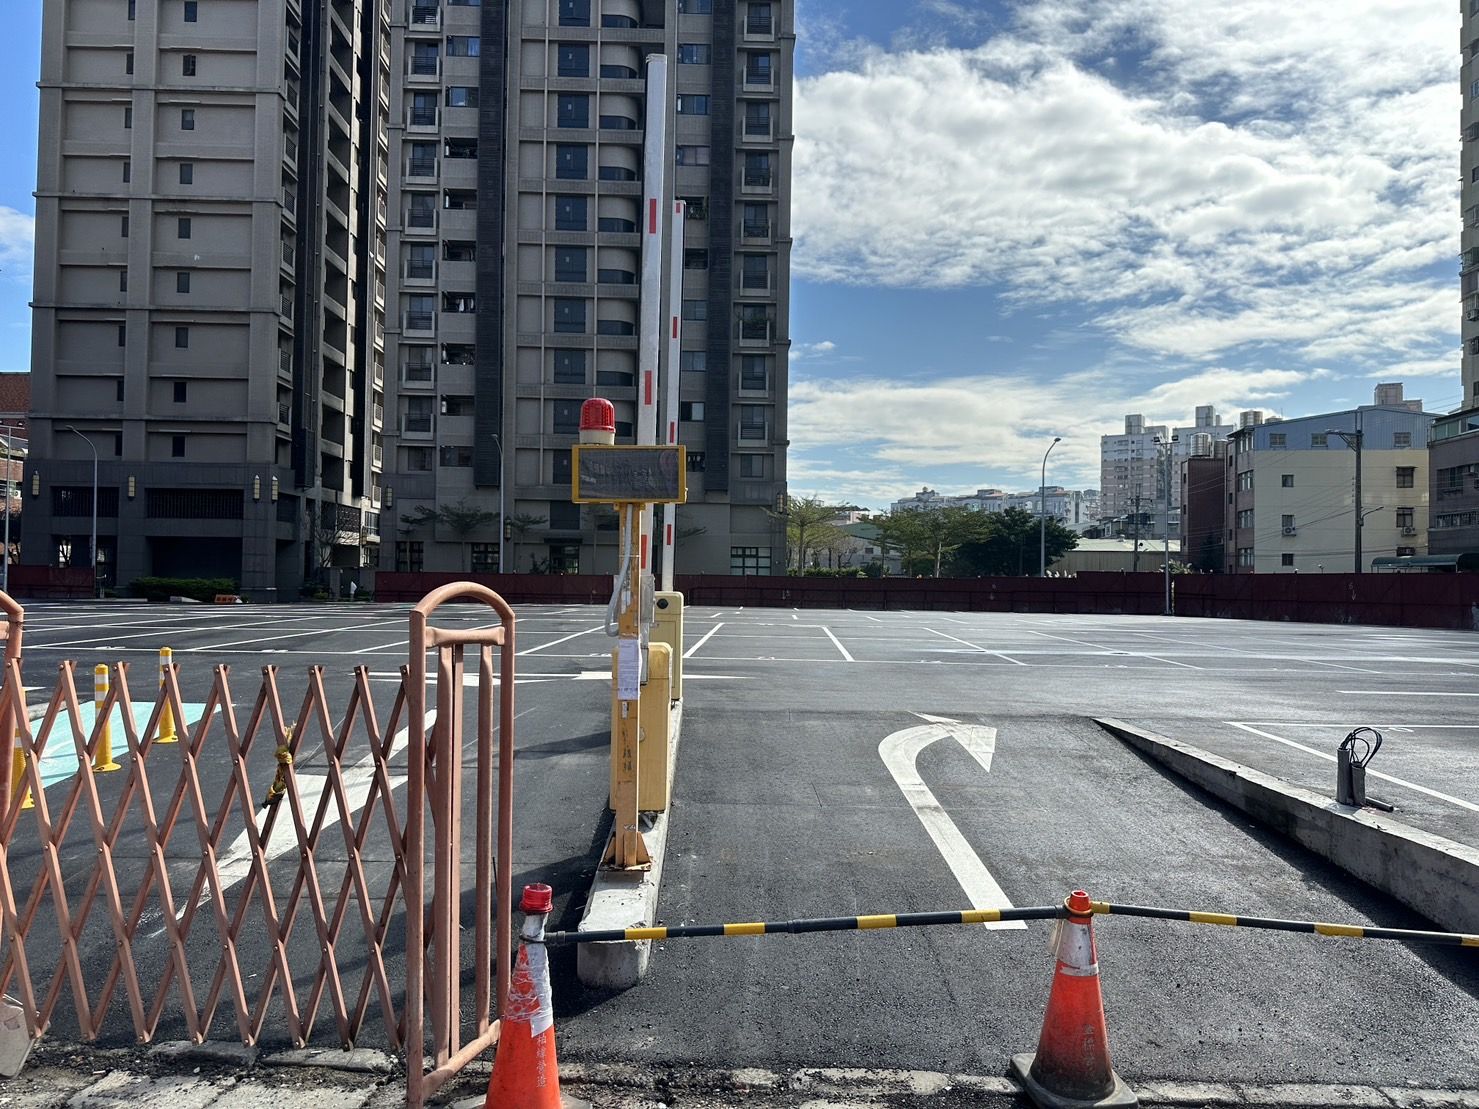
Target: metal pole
[
  {"x": 9, "y": 470},
  {"x": 1166, "y": 545},
  {"x": 1360, "y": 519},
  {"x": 1042, "y": 511},
  {"x": 670, "y": 389},
  {"x": 502, "y": 523},
  {"x": 655, "y": 157},
  {"x": 93, "y": 539}
]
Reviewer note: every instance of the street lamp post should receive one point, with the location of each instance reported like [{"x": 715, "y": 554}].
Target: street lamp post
[
  {"x": 1166, "y": 518},
  {"x": 1354, "y": 440},
  {"x": 1042, "y": 511},
  {"x": 502, "y": 523},
  {"x": 92, "y": 544}
]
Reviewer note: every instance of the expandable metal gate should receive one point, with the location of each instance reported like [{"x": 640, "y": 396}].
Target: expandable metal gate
[{"x": 360, "y": 916}]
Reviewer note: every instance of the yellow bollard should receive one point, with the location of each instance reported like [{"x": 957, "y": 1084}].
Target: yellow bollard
[
  {"x": 102, "y": 758},
  {"x": 18, "y": 777},
  {"x": 167, "y": 717}
]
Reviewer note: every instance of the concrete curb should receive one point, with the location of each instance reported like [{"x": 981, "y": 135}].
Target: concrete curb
[
  {"x": 619, "y": 900},
  {"x": 1435, "y": 876}
]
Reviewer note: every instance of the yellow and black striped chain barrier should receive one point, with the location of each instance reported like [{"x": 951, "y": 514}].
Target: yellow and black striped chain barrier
[{"x": 989, "y": 916}]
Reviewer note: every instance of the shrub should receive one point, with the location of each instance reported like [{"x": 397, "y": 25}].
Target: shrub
[{"x": 199, "y": 589}]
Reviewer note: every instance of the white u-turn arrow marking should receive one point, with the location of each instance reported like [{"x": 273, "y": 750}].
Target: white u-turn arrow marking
[{"x": 900, "y": 751}]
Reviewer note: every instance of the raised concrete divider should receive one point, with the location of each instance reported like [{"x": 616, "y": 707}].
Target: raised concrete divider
[
  {"x": 1437, "y": 877},
  {"x": 622, "y": 900}
]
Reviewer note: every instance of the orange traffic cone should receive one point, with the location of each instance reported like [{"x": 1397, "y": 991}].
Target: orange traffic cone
[
  {"x": 1071, "y": 1069},
  {"x": 525, "y": 1072}
]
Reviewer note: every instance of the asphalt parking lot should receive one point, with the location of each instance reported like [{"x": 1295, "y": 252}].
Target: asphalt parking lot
[{"x": 790, "y": 801}]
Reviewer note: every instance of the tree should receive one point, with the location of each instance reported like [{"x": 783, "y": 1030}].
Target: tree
[
  {"x": 928, "y": 536},
  {"x": 805, "y": 519},
  {"x": 1009, "y": 545},
  {"x": 460, "y": 518},
  {"x": 519, "y": 525}
]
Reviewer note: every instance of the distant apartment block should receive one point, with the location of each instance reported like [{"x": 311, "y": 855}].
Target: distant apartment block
[
  {"x": 1073, "y": 508},
  {"x": 1138, "y": 490},
  {"x": 1292, "y": 490}
]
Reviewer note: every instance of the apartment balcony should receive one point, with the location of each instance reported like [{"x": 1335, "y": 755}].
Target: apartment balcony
[
  {"x": 419, "y": 273},
  {"x": 757, "y": 181},
  {"x": 759, "y": 28},
  {"x": 751, "y": 231},
  {"x": 422, "y": 119},
  {"x": 422, "y": 323},
  {"x": 417, "y": 373},
  {"x": 416, "y": 426},
  {"x": 755, "y": 333},
  {"x": 425, "y": 17}
]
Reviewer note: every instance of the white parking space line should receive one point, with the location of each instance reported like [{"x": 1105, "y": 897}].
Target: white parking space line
[
  {"x": 1401, "y": 693},
  {"x": 707, "y": 636},
  {"x": 233, "y": 644},
  {"x": 1117, "y": 651},
  {"x": 983, "y": 650},
  {"x": 1459, "y": 801},
  {"x": 838, "y": 644},
  {"x": 562, "y": 639}
]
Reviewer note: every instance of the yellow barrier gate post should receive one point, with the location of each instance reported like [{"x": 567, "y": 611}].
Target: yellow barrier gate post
[
  {"x": 167, "y": 717},
  {"x": 631, "y": 478},
  {"x": 102, "y": 756}
]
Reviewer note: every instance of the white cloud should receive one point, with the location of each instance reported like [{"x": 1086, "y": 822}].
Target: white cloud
[
  {"x": 811, "y": 350},
  {"x": 997, "y": 423},
  {"x": 17, "y": 243},
  {"x": 1272, "y": 176}
]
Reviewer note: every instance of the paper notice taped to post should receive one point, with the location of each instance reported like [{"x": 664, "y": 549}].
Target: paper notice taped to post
[{"x": 628, "y": 668}]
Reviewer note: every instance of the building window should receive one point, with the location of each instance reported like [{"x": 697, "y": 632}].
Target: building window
[
  {"x": 569, "y": 315},
  {"x": 484, "y": 558},
  {"x": 128, "y": 116},
  {"x": 572, "y": 110},
  {"x": 128, "y": 61},
  {"x": 694, "y": 53},
  {"x": 409, "y": 554},
  {"x": 572, "y": 163},
  {"x": 757, "y": 168},
  {"x": 697, "y": 310},
  {"x": 119, "y": 389},
  {"x": 459, "y": 250},
  {"x": 177, "y": 446},
  {"x": 418, "y": 459},
  {"x": 573, "y": 59},
  {"x": 752, "y": 466},
  {"x": 1286, "y": 481},
  {"x": 123, "y": 280},
  {"x": 462, "y": 96},
  {"x": 753, "y": 373},
  {"x": 187, "y": 173},
  {"x": 624, "y": 378},
  {"x": 696, "y": 259},
  {"x": 123, "y": 334},
  {"x": 1286, "y": 522},
  {"x": 1276, "y": 438},
  {"x": 132, "y": 8},
  {"x": 575, "y": 13},
  {"x": 1318, "y": 439},
  {"x": 1286, "y": 560},
  {"x": 123, "y": 227},
  {"x": 572, "y": 263},
  {"x": 571, "y": 214},
  {"x": 1245, "y": 518},
  {"x": 695, "y": 461},
  {"x": 182, "y": 338},
  {"x": 565, "y": 417},
  {"x": 560, "y": 467},
  {"x": 752, "y": 422},
  {"x": 192, "y": 11},
  {"x": 749, "y": 560},
  {"x": 187, "y": 119},
  {"x": 569, "y": 367},
  {"x": 1405, "y": 518},
  {"x": 1401, "y": 440},
  {"x": 463, "y": 46},
  {"x": 128, "y": 170},
  {"x": 457, "y": 404},
  {"x": 693, "y": 361},
  {"x": 757, "y": 118},
  {"x": 181, "y": 391},
  {"x": 1406, "y": 477},
  {"x": 757, "y": 69},
  {"x": 1245, "y": 556},
  {"x": 695, "y": 207},
  {"x": 757, "y": 19},
  {"x": 695, "y": 7},
  {"x": 691, "y": 410},
  {"x": 754, "y": 271},
  {"x": 692, "y": 104},
  {"x": 454, "y": 458},
  {"x": 187, "y": 65},
  {"x": 691, "y": 155},
  {"x": 182, "y": 281},
  {"x": 182, "y": 227}
]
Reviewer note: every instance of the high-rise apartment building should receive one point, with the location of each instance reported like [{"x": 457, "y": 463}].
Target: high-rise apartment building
[
  {"x": 1139, "y": 492},
  {"x": 210, "y": 287},
  {"x": 251, "y": 213},
  {"x": 516, "y": 225}
]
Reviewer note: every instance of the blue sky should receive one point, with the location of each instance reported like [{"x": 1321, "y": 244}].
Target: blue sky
[{"x": 1015, "y": 220}]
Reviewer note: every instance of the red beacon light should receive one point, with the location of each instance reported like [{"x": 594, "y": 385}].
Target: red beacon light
[{"x": 598, "y": 422}]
